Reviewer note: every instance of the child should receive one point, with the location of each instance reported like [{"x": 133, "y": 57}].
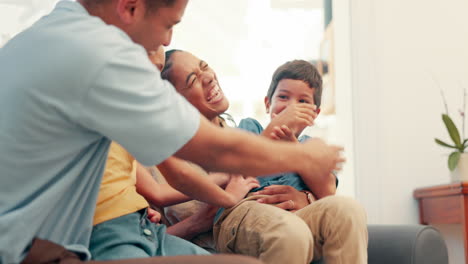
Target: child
[
  {"x": 293, "y": 102},
  {"x": 124, "y": 225}
]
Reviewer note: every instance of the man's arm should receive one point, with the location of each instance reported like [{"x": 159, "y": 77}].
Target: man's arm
[
  {"x": 231, "y": 150},
  {"x": 320, "y": 187}
]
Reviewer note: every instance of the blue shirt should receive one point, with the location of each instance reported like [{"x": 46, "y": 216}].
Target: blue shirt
[
  {"x": 68, "y": 85},
  {"x": 289, "y": 178}
]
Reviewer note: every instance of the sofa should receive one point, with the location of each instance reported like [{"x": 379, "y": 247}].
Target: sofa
[{"x": 405, "y": 244}]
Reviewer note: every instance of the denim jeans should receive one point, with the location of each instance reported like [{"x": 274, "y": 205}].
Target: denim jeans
[
  {"x": 47, "y": 252},
  {"x": 134, "y": 236}
]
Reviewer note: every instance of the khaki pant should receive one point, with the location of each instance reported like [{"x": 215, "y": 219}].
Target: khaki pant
[
  {"x": 46, "y": 252},
  {"x": 334, "y": 228}
]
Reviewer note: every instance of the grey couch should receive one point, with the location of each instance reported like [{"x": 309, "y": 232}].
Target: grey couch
[{"x": 409, "y": 244}]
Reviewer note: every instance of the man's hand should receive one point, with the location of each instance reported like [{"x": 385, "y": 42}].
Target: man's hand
[
  {"x": 296, "y": 117},
  {"x": 153, "y": 215},
  {"x": 239, "y": 186},
  {"x": 318, "y": 175},
  {"x": 284, "y": 196}
]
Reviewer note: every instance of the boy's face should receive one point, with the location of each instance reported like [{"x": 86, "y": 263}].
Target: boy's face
[
  {"x": 197, "y": 82},
  {"x": 288, "y": 92}
]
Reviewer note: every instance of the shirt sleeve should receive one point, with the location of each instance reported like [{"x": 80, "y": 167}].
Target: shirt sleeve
[
  {"x": 129, "y": 103},
  {"x": 252, "y": 125}
]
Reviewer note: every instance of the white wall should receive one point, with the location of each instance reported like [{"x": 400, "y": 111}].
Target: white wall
[{"x": 398, "y": 48}]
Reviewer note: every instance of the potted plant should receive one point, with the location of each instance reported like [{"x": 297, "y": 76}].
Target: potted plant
[{"x": 458, "y": 159}]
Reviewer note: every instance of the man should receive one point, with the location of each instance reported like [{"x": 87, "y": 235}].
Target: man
[{"x": 87, "y": 80}]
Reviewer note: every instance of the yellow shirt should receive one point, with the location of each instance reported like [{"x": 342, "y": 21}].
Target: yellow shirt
[{"x": 117, "y": 194}]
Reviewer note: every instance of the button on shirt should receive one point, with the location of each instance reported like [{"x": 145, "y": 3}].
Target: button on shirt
[{"x": 68, "y": 85}]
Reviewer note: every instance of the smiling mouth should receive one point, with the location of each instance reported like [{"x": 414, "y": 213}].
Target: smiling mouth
[{"x": 214, "y": 95}]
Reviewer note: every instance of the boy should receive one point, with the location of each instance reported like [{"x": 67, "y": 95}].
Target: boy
[
  {"x": 337, "y": 224},
  {"x": 293, "y": 102}
]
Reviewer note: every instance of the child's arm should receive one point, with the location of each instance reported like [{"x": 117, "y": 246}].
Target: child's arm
[
  {"x": 160, "y": 195},
  {"x": 296, "y": 117},
  {"x": 193, "y": 182}
]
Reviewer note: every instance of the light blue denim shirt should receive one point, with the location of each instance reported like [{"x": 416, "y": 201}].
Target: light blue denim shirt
[{"x": 68, "y": 85}]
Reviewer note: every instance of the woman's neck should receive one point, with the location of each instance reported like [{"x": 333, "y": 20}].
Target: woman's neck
[{"x": 217, "y": 121}]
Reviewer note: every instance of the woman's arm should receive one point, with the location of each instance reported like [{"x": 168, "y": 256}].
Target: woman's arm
[
  {"x": 285, "y": 197},
  {"x": 200, "y": 222}
]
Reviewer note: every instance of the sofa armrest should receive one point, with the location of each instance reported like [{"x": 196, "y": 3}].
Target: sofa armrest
[{"x": 406, "y": 244}]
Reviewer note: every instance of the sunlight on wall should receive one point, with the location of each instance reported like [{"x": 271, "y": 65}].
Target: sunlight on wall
[
  {"x": 245, "y": 44},
  {"x": 16, "y": 15}
]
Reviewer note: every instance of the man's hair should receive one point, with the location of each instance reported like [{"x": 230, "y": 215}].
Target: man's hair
[
  {"x": 151, "y": 5},
  {"x": 167, "y": 70},
  {"x": 298, "y": 70}
]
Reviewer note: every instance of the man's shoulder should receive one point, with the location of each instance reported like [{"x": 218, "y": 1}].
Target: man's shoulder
[{"x": 76, "y": 35}]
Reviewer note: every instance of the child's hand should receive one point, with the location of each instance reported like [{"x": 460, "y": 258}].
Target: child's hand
[
  {"x": 153, "y": 215},
  {"x": 283, "y": 133},
  {"x": 239, "y": 186},
  {"x": 296, "y": 117}
]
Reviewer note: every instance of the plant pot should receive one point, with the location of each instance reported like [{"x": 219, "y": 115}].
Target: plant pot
[{"x": 460, "y": 174}]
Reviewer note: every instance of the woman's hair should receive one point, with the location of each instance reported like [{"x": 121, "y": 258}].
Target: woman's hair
[
  {"x": 167, "y": 70},
  {"x": 298, "y": 70}
]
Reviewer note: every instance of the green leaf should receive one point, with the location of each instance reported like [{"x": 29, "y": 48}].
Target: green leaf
[
  {"x": 453, "y": 160},
  {"x": 440, "y": 142},
  {"x": 452, "y": 129}
]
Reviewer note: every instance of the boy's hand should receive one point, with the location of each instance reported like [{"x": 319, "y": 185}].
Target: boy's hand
[
  {"x": 239, "y": 186},
  {"x": 283, "y": 133},
  {"x": 153, "y": 215},
  {"x": 296, "y": 117}
]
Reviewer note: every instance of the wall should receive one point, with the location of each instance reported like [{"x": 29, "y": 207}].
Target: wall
[{"x": 401, "y": 52}]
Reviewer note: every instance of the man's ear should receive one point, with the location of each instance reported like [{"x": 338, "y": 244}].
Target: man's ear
[
  {"x": 267, "y": 104},
  {"x": 130, "y": 10}
]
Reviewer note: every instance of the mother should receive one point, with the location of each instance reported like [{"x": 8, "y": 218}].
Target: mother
[{"x": 333, "y": 227}]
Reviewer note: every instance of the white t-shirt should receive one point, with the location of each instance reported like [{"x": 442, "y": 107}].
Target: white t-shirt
[{"x": 68, "y": 85}]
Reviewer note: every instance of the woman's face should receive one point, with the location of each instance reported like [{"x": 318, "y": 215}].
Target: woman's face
[{"x": 197, "y": 82}]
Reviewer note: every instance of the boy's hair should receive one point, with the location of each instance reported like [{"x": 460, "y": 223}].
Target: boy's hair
[{"x": 298, "y": 70}]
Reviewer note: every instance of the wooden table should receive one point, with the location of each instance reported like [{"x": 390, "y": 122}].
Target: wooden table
[{"x": 445, "y": 204}]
